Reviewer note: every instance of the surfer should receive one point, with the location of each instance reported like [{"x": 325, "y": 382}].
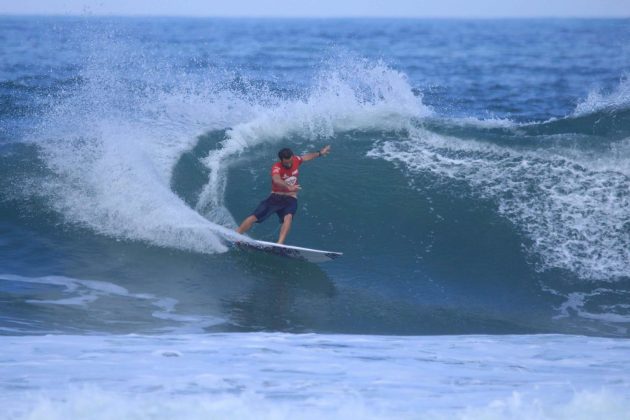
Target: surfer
[{"x": 284, "y": 189}]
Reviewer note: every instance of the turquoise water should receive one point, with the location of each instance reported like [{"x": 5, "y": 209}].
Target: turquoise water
[{"x": 477, "y": 184}]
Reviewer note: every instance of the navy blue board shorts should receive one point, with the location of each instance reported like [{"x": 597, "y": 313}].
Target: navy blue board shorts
[{"x": 275, "y": 203}]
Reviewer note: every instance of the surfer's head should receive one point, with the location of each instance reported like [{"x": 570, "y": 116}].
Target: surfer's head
[{"x": 286, "y": 157}]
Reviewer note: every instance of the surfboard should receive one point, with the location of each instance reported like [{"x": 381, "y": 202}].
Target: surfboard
[{"x": 295, "y": 252}]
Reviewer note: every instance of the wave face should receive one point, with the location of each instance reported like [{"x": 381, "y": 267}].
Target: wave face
[
  {"x": 573, "y": 212},
  {"x": 470, "y": 191}
]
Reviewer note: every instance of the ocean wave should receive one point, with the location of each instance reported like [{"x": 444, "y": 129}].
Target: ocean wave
[
  {"x": 350, "y": 94},
  {"x": 111, "y": 142},
  {"x": 576, "y": 216}
]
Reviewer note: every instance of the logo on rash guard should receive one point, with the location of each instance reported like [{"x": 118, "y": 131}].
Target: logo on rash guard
[{"x": 291, "y": 180}]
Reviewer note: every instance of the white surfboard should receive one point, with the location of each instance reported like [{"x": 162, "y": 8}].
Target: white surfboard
[{"x": 296, "y": 252}]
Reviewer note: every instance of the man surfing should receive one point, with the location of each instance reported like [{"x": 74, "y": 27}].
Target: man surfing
[{"x": 284, "y": 189}]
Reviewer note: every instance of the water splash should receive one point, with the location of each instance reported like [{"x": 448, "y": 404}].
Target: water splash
[
  {"x": 347, "y": 94},
  {"x": 600, "y": 100}
]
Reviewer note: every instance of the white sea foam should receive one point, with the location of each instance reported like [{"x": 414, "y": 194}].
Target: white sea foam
[
  {"x": 260, "y": 375},
  {"x": 584, "y": 405},
  {"x": 95, "y": 403},
  {"x": 575, "y": 214},
  {"x": 598, "y": 100},
  {"x": 484, "y": 122}
]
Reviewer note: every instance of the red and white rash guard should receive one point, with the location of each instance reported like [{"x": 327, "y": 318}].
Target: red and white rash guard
[{"x": 290, "y": 176}]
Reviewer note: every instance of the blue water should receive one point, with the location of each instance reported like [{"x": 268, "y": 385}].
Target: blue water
[{"x": 477, "y": 185}]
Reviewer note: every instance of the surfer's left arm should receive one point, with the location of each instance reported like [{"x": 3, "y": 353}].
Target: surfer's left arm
[{"x": 313, "y": 155}]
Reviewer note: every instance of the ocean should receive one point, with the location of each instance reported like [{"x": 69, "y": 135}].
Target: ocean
[{"x": 478, "y": 186}]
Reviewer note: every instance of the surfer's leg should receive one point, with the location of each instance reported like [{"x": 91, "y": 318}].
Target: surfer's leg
[
  {"x": 247, "y": 224},
  {"x": 264, "y": 209},
  {"x": 286, "y": 226}
]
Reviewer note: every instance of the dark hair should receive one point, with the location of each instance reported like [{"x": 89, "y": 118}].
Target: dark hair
[{"x": 285, "y": 153}]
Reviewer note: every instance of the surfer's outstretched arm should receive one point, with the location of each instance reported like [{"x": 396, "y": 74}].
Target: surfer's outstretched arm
[{"x": 313, "y": 155}]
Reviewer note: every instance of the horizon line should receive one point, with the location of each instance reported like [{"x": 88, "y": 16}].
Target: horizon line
[{"x": 289, "y": 17}]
